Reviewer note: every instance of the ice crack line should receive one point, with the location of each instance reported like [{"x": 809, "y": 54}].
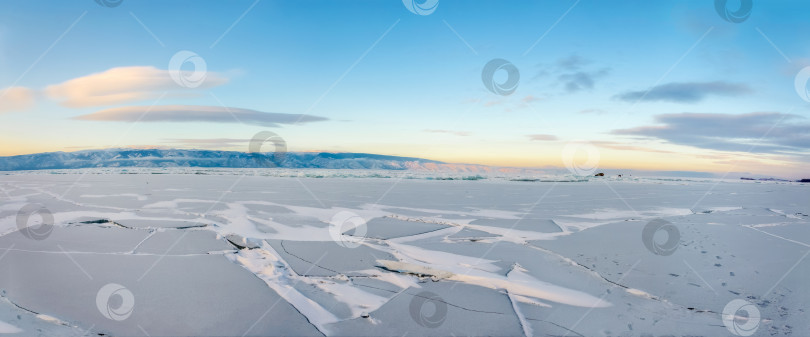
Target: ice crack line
[
  {"x": 40, "y": 316},
  {"x": 305, "y": 260}
]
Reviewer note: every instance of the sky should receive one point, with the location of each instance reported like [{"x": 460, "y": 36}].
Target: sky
[{"x": 710, "y": 86}]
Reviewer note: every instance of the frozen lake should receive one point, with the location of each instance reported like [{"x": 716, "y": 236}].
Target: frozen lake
[{"x": 233, "y": 255}]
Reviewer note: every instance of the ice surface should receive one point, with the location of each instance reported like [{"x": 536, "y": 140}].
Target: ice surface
[
  {"x": 255, "y": 254},
  {"x": 6, "y": 328}
]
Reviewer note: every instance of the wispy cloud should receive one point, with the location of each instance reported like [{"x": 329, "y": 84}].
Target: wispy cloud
[
  {"x": 530, "y": 98},
  {"x": 580, "y": 80},
  {"x": 628, "y": 147},
  {"x": 542, "y": 137},
  {"x": 123, "y": 85},
  {"x": 572, "y": 62},
  {"x": 759, "y": 132},
  {"x": 571, "y": 73},
  {"x": 457, "y": 133},
  {"x": 208, "y": 142},
  {"x": 16, "y": 99},
  {"x": 194, "y": 113},
  {"x": 592, "y": 111},
  {"x": 493, "y": 103},
  {"x": 685, "y": 92}
]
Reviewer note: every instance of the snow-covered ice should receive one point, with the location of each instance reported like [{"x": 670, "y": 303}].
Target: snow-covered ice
[{"x": 236, "y": 254}]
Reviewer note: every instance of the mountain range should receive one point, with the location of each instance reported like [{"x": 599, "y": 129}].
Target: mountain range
[
  {"x": 166, "y": 158},
  {"x": 225, "y": 159}
]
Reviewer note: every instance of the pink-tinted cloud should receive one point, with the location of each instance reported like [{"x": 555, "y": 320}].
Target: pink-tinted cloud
[
  {"x": 16, "y": 99},
  {"x": 542, "y": 137},
  {"x": 123, "y": 85},
  {"x": 195, "y": 113},
  {"x": 530, "y": 98}
]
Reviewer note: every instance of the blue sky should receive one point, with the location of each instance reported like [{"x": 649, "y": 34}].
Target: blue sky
[{"x": 651, "y": 84}]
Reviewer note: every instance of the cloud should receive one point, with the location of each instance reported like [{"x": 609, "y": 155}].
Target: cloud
[
  {"x": 543, "y": 72},
  {"x": 572, "y": 62},
  {"x": 592, "y": 111},
  {"x": 457, "y": 133},
  {"x": 193, "y": 113},
  {"x": 579, "y": 80},
  {"x": 16, "y": 99},
  {"x": 530, "y": 98},
  {"x": 123, "y": 85},
  {"x": 628, "y": 147},
  {"x": 208, "y": 142},
  {"x": 759, "y": 132},
  {"x": 571, "y": 74},
  {"x": 685, "y": 92},
  {"x": 542, "y": 137}
]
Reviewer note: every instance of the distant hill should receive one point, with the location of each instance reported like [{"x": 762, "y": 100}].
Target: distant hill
[
  {"x": 208, "y": 158},
  {"x": 167, "y": 158}
]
